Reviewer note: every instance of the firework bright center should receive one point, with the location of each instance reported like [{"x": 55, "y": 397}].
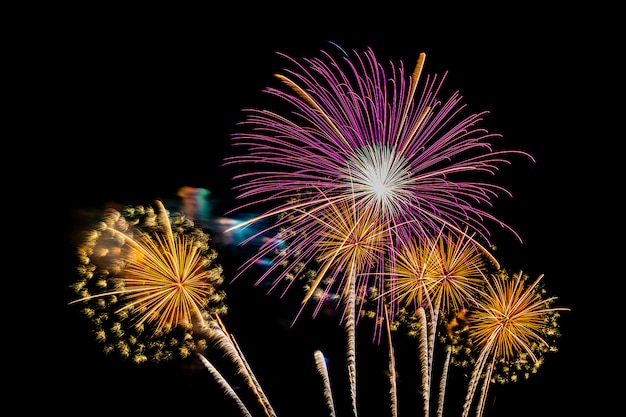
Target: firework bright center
[
  {"x": 380, "y": 188},
  {"x": 380, "y": 172}
]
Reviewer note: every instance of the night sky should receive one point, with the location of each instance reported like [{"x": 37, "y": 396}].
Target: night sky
[{"x": 141, "y": 102}]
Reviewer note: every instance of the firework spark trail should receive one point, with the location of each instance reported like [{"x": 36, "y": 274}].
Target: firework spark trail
[
  {"x": 393, "y": 375},
  {"x": 226, "y": 387},
  {"x": 322, "y": 370}
]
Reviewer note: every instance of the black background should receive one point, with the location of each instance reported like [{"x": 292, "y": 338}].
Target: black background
[{"x": 127, "y": 105}]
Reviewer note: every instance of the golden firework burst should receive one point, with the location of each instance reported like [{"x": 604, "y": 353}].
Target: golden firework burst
[{"x": 143, "y": 273}]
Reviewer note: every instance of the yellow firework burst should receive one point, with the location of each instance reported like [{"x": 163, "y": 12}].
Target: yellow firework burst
[
  {"x": 143, "y": 273},
  {"x": 512, "y": 325},
  {"x": 511, "y": 318},
  {"x": 444, "y": 273},
  {"x": 350, "y": 240}
]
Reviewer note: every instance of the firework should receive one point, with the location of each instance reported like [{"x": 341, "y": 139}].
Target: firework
[
  {"x": 511, "y": 327},
  {"x": 511, "y": 317},
  {"x": 150, "y": 288},
  {"x": 442, "y": 274},
  {"x": 360, "y": 134},
  {"x": 145, "y": 279}
]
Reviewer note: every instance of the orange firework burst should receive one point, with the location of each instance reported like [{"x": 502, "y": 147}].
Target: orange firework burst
[
  {"x": 144, "y": 269},
  {"x": 349, "y": 242},
  {"x": 444, "y": 273},
  {"x": 511, "y": 327},
  {"x": 512, "y": 317}
]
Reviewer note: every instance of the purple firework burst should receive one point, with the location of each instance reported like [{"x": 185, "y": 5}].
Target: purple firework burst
[{"x": 366, "y": 140}]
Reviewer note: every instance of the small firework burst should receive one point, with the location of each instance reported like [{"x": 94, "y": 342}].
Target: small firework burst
[
  {"x": 145, "y": 279},
  {"x": 443, "y": 274},
  {"x": 514, "y": 317},
  {"x": 512, "y": 326},
  {"x": 351, "y": 243}
]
